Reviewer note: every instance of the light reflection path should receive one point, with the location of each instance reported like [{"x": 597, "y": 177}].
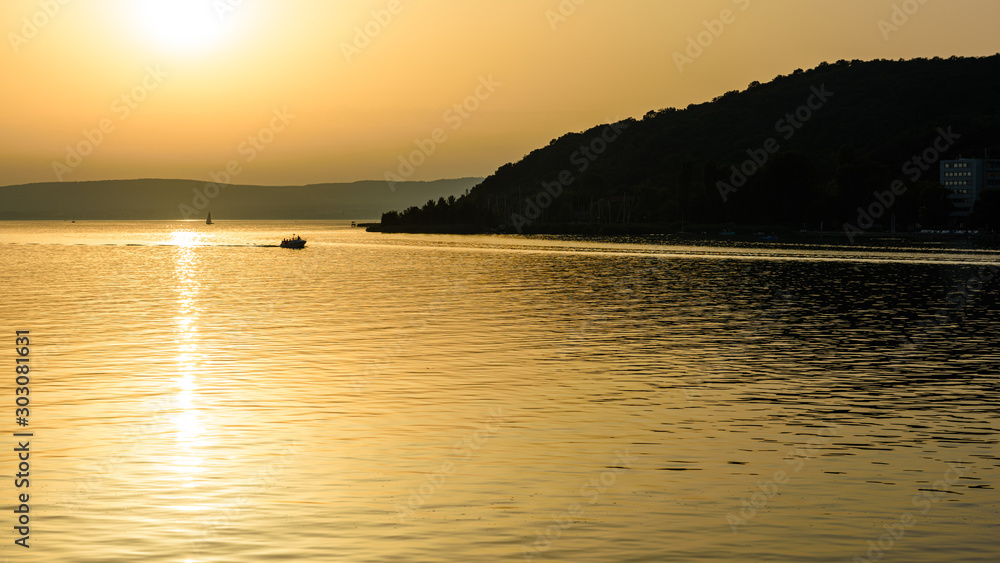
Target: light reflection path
[{"x": 189, "y": 434}]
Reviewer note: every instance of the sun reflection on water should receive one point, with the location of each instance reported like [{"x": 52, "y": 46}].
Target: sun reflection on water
[
  {"x": 185, "y": 239},
  {"x": 188, "y": 430}
]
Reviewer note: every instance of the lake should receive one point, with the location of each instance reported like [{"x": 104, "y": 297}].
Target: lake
[{"x": 198, "y": 395}]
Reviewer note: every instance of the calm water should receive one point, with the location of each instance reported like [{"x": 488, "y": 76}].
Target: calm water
[{"x": 198, "y": 397}]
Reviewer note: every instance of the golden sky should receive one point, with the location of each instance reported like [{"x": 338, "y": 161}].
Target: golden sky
[{"x": 309, "y": 91}]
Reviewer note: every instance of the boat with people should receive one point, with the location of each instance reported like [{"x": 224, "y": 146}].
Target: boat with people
[{"x": 294, "y": 242}]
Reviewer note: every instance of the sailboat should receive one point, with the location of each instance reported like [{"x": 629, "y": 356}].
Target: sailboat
[{"x": 209, "y": 220}]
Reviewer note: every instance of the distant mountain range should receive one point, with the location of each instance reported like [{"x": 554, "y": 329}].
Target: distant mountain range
[
  {"x": 809, "y": 149},
  {"x": 182, "y": 199}
]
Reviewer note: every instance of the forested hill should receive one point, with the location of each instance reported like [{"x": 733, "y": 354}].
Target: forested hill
[{"x": 802, "y": 150}]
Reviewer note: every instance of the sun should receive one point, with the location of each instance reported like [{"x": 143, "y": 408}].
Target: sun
[{"x": 180, "y": 25}]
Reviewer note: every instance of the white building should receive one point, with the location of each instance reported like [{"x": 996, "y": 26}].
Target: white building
[{"x": 966, "y": 178}]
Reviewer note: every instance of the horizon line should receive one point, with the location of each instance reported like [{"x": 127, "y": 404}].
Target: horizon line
[{"x": 67, "y": 182}]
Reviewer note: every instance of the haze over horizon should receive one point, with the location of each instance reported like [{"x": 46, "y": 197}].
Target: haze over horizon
[{"x": 303, "y": 92}]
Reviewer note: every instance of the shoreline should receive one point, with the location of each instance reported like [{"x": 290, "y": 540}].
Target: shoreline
[{"x": 744, "y": 235}]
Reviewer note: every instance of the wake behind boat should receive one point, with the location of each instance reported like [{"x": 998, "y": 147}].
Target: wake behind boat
[{"x": 294, "y": 242}]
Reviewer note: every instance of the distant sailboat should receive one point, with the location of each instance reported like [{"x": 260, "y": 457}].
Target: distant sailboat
[{"x": 209, "y": 221}]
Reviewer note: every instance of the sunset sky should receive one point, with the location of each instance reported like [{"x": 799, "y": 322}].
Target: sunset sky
[{"x": 297, "y": 91}]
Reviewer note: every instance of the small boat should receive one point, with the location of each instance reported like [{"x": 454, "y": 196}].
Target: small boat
[
  {"x": 209, "y": 220},
  {"x": 294, "y": 242}
]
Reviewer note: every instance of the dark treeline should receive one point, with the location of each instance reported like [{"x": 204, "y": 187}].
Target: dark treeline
[{"x": 849, "y": 142}]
